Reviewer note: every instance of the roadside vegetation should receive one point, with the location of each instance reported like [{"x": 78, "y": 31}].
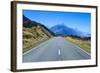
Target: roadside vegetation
[
  {"x": 83, "y": 43},
  {"x": 33, "y": 37}
]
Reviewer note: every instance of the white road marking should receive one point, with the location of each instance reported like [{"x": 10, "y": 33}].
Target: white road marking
[
  {"x": 59, "y": 52},
  {"x": 80, "y": 48}
]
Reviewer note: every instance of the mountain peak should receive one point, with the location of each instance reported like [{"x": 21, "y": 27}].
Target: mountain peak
[
  {"x": 63, "y": 30},
  {"x": 61, "y": 24}
]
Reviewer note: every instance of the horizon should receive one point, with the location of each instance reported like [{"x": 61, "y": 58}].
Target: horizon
[{"x": 75, "y": 20}]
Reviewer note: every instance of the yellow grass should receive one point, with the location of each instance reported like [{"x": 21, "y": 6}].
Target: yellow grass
[
  {"x": 31, "y": 39},
  {"x": 84, "y": 44}
]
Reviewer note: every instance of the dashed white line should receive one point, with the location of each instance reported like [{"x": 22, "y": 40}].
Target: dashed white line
[{"x": 59, "y": 52}]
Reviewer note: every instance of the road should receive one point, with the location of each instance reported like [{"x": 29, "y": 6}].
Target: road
[{"x": 55, "y": 49}]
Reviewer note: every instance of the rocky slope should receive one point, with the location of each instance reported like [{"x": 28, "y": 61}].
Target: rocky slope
[{"x": 34, "y": 33}]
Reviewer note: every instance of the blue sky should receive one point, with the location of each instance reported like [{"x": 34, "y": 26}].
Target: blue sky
[{"x": 80, "y": 21}]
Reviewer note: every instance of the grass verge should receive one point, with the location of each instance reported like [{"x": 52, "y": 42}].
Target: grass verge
[{"x": 84, "y": 44}]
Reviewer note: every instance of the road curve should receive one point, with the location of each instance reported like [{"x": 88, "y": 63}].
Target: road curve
[{"x": 55, "y": 49}]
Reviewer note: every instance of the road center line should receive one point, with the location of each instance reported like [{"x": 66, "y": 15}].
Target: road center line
[{"x": 59, "y": 52}]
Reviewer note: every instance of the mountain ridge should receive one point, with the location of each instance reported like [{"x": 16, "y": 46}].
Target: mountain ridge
[
  {"x": 34, "y": 33},
  {"x": 63, "y": 30}
]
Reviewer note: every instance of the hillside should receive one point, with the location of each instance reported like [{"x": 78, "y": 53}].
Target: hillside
[{"x": 34, "y": 33}]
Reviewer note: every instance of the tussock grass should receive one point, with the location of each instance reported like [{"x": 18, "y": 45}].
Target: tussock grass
[
  {"x": 84, "y": 44},
  {"x": 32, "y": 38}
]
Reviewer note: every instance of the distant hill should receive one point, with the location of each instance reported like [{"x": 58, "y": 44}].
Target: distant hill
[
  {"x": 34, "y": 33},
  {"x": 63, "y": 30}
]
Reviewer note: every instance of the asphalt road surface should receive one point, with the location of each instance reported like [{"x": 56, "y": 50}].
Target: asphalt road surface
[{"x": 55, "y": 49}]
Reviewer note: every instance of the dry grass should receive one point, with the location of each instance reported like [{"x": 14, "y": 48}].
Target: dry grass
[
  {"x": 33, "y": 38},
  {"x": 84, "y": 44}
]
